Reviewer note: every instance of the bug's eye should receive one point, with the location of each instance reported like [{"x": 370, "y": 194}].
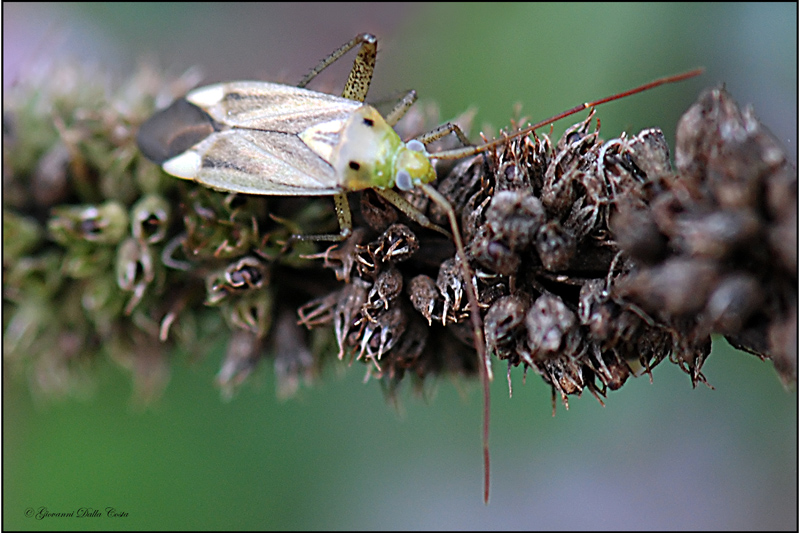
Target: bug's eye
[
  {"x": 403, "y": 181},
  {"x": 415, "y": 146},
  {"x": 354, "y": 165},
  {"x": 369, "y": 122}
]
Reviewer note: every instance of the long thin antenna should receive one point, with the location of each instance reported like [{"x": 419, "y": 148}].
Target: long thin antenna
[{"x": 472, "y": 150}]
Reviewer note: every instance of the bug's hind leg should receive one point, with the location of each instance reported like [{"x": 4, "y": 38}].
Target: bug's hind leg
[{"x": 363, "y": 67}]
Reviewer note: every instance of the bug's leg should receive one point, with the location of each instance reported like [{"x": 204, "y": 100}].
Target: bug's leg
[
  {"x": 484, "y": 364},
  {"x": 401, "y": 108},
  {"x": 360, "y": 75},
  {"x": 345, "y": 223},
  {"x": 394, "y": 198},
  {"x": 442, "y": 131}
]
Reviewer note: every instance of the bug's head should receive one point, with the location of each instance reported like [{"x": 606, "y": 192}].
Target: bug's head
[
  {"x": 412, "y": 166},
  {"x": 370, "y": 154}
]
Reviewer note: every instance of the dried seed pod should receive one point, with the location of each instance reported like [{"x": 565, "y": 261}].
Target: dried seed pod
[
  {"x": 552, "y": 328},
  {"x": 293, "y": 360},
  {"x": 472, "y": 216},
  {"x": 381, "y": 333},
  {"x": 727, "y": 150},
  {"x": 245, "y": 274},
  {"x": 250, "y": 311},
  {"x": 377, "y": 212},
  {"x": 494, "y": 253},
  {"x": 638, "y": 235},
  {"x": 555, "y": 245},
  {"x": 515, "y": 217},
  {"x": 611, "y": 369},
  {"x": 424, "y": 296},
  {"x": 459, "y": 185},
  {"x": 503, "y": 324},
  {"x": 782, "y": 338},
  {"x": 406, "y": 353},
  {"x": 398, "y": 243},
  {"x": 512, "y": 176},
  {"x": 103, "y": 224},
  {"x": 558, "y": 191},
  {"x": 716, "y": 235},
  {"x": 241, "y": 357},
  {"x": 734, "y": 300},
  {"x": 649, "y": 151},
  {"x": 564, "y": 376},
  {"x": 150, "y": 219},
  {"x": 679, "y": 286},
  {"x": 782, "y": 238},
  {"x": 615, "y": 166},
  {"x": 135, "y": 270},
  {"x": 319, "y": 311},
  {"x": 347, "y": 313},
  {"x": 583, "y": 218},
  {"x": 342, "y": 257},
  {"x": 386, "y": 289},
  {"x": 538, "y": 153},
  {"x": 451, "y": 287},
  {"x": 690, "y": 355},
  {"x": 595, "y": 310}
]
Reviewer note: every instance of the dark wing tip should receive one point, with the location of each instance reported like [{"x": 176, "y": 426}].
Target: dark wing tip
[{"x": 174, "y": 130}]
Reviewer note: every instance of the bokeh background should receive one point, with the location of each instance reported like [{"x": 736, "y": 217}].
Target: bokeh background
[{"x": 658, "y": 456}]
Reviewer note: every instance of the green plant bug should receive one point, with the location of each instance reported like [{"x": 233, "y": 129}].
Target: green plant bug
[{"x": 263, "y": 138}]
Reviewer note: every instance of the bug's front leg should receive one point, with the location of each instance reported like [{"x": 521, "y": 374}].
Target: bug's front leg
[{"x": 442, "y": 131}]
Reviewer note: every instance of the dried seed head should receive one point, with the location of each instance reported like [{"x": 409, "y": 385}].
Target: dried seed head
[{"x": 707, "y": 248}]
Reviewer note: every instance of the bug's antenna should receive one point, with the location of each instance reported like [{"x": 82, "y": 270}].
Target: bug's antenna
[
  {"x": 477, "y": 329},
  {"x": 472, "y": 150}
]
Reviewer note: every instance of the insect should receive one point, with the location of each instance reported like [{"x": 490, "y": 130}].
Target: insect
[{"x": 270, "y": 139}]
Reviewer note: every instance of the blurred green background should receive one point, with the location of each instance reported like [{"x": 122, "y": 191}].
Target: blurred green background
[{"x": 659, "y": 456}]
